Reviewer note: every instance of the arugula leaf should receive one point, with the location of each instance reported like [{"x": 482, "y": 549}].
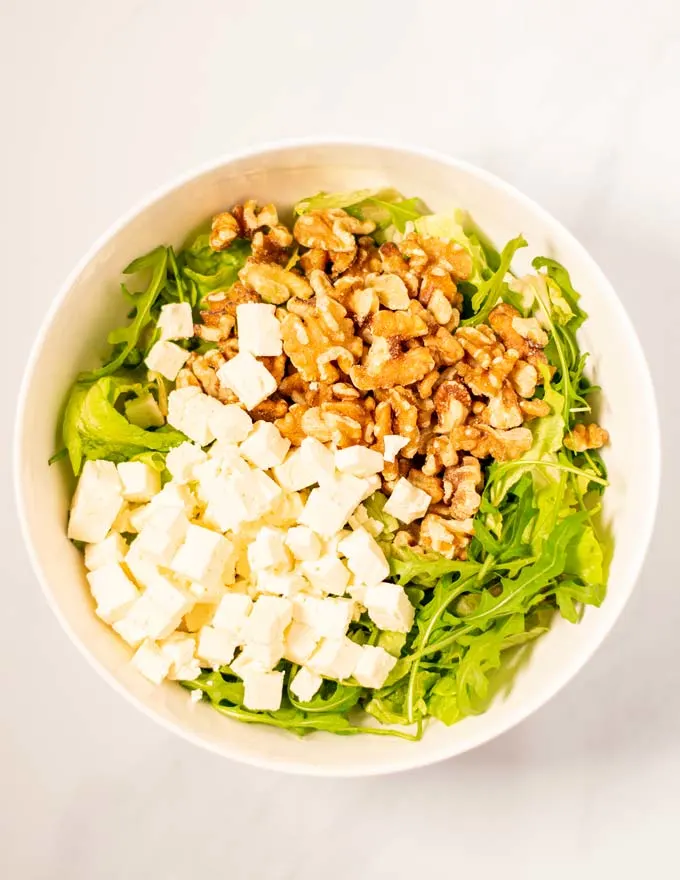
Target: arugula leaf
[
  {"x": 94, "y": 428},
  {"x": 127, "y": 340},
  {"x": 408, "y": 566},
  {"x": 491, "y": 290},
  {"x": 572, "y": 596},
  {"x": 518, "y": 594}
]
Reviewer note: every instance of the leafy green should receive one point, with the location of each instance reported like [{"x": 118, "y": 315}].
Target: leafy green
[
  {"x": 387, "y": 208},
  {"x": 375, "y": 507},
  {"x": 492, "y": 289},
  {"x": 94, "y": 428},
  {"x": 127, "y": 341},
  {"x": 206, "y": 270}
]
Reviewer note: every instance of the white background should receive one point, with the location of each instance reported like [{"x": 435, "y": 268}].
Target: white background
[{"x": 575, "y": 103}]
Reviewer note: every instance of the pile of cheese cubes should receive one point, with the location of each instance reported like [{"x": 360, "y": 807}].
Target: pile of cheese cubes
[{"x": 253, "y": 552}]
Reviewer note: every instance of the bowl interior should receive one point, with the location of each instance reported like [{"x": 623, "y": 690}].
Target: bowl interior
[{"x": 90, "y": 304}]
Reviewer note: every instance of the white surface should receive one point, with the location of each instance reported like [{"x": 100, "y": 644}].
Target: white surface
[{"x": 575, "y": 107}]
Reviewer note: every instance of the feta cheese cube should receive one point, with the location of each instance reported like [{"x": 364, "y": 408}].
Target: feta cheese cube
[
  {"x": 263, "y": 691},
  {"x": 300, "y": 643},
  {"x": 226, "y": 510},
  {"x": 268, "y": 620},
  {"x": 113, "y": 591},
  {"x": 215, "y": 646},
  {"x": 179, "y": 648},
  {"x": 329, "y": 507},
  {"x": 264, "y": 446},
  {"x": 176, "y": 321},
  {"x": 365, "y": 559},
  {"x": 305, "y": 684},
  {"x": 97, "y": 502},
  {"x": 268, "y": 550},
  {"x": 174, "y": 495},
  {"x": 373, "y": 666},
  {"x": 259, "y": 330},
  {"x": 358, "y": 460},
  {"x": 305, "y": 466},
  {"x": 327, "y": 617},
  {"x": 303, "y": 543},
  {"x": 258, "y": 657},
  {"x": 164, "y": 531},
  {"x": 157, "y": 613},
  {"x": 407, "y": 502},
  {"x": 151, "y": 662},
  {"x": 388, "y": 607},
  {"x": 327, "y": 574},
  {"x": 190, "y": 411},
  {"x": 232, "y": 613},
  {"x": 280, "y": 584},
  {"x": 393, "y": 444},
  {"x": 335, "y": 658},
  {"x": 230, "y": 424},
  {"x": 250, "y": 380},
  {"x": 167, "y": 359},
  {"x": 139, "y": 480},
  {"x": 205, "y": 557},
  {"x": 182, "y": 460},
  {"x": 112, "y": 549},
  {"x": 142, "y": 567},
  {"x": 226, "y": 457},
  {"x": 196, "y": 696},
  {"x": 373, "y": 484},
  {"x": 259, "y": 492}
]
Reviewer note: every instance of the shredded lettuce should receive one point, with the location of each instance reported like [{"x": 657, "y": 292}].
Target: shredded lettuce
[{"x": 205, "y": 270}]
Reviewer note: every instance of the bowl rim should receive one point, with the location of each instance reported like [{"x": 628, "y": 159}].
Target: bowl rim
[{"x": 407, "y": 760}]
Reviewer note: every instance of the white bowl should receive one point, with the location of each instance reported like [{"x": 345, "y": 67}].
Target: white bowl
[{"x": 89, "y": 304}]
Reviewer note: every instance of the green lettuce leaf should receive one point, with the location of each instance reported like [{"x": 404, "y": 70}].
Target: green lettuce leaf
[
  {"x": 206, "y": 270},
  {"x": 94, "y": 428}
]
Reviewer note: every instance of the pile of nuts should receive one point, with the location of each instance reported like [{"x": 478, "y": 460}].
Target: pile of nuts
[{"x": 372, "y": 346}]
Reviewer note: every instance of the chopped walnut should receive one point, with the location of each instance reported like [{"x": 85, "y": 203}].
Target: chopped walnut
[
  {"x": 483, "y": 441},
  {"x": 445, "y": 347},
  {"x": 452, "y": 403},
  {"x": 423, "y": 252},
  {"x": 223, "y": 230},
  {"x": 584, "y": 437},
  {"x": 311, "y": 328},
  {"x": 503, "y": 410},
  {"x": 391, "y": 290},
  {"x": 403, "y": 368},
  {"x": 333, "y": 230},
  {"x": 441, "y": 535},
  {"x": 397, "y": 413},
  {"x": 290, "y": 425},
  {"x": 273, "y": 283},
  {"x": 428, "y": 483},
  {"x": 460, "y": 488}
]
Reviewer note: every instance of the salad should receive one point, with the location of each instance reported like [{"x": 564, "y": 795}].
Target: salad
[{"x": 338, "y": 473}]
